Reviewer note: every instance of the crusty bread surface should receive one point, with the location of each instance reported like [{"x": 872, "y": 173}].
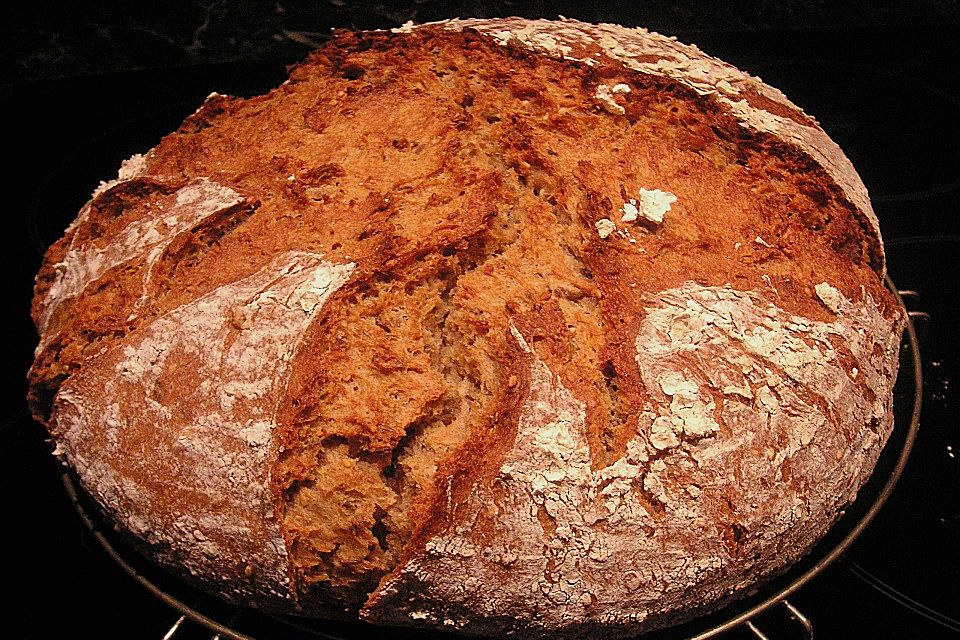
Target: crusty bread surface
[{"x": 495, "y": 326}]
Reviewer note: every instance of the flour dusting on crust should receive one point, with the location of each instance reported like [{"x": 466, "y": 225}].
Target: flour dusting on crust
[
  {"x": 199, "y": 389},
  {"x": 130, "y": 168},
  {"x": 613, "y": 545},
  {"x": 147, "y": 237}
]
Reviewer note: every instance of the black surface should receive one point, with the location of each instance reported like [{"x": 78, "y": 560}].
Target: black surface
[
  {"x": 888, "y": 91},
  {"x": 48, "y": 38}
]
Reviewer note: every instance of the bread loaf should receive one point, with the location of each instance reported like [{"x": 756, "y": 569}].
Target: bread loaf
[{"x": 496, "y": 326}]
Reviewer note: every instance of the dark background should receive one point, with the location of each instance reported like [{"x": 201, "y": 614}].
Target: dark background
[
  {"x": 47, "y": 39},
  {"x": 85, "y": 85}
]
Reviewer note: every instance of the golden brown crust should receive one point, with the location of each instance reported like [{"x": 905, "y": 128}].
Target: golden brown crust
[
  {"x": 525, "y": 242},
  {"x": 756, "y": 105}
]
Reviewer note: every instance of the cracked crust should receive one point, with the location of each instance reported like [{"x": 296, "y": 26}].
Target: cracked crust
[
  {"x": 741, "y": 445},
  {"x": 494, "y": 326}
]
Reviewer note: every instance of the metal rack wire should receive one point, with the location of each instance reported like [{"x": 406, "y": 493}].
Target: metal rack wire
[{"x": 744, "y": 615}]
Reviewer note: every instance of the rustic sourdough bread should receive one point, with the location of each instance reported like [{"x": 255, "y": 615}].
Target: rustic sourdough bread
[{"x": 492, "y": 325}]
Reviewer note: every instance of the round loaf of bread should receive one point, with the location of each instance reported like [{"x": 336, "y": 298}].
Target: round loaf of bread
[{"x": 497, "y": 326}]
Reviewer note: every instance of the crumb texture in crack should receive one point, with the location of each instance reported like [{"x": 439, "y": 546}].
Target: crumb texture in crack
[{"x": 728, "y": 373}]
